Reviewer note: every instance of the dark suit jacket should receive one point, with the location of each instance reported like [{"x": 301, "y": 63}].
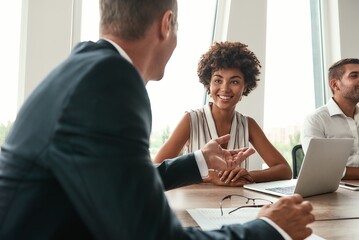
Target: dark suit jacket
[{"x": 76, "y": 164}]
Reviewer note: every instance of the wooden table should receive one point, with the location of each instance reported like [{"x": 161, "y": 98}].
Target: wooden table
[{"x": 341, "y": 204}]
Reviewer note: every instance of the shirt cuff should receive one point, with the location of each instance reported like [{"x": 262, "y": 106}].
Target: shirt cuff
[
  {"x": 201, "y": 163},
  {"x": 276, "y": 227}
]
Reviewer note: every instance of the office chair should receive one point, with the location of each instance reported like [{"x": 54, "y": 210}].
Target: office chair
[{"x": 297, "y": 159}]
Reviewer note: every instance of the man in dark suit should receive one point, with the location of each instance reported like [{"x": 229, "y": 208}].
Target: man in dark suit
[{"x": 76, "y": 163}]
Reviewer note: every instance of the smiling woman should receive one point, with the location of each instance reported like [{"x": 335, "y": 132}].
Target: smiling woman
[{"x": 228, "y": 71}]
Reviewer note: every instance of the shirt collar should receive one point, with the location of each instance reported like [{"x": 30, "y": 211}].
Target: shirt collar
[
  {"x": 334, "y": 109},
  {"x": 120, "y": 50}
]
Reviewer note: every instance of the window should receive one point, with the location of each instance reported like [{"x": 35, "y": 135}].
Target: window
[
  {"x": 90, "y": 17},
  {"x": 10, "y": 24},
  {"x": 289, "y": 76},
  {"x": 180, "y": 89}
]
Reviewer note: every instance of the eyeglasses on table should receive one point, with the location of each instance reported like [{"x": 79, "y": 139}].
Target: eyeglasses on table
[{"x": 237, "y": 202}]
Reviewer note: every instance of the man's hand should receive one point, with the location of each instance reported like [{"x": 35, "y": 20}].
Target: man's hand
[
  {"x": 221, "y": 159},
  {"x": 292, "y": 214}
]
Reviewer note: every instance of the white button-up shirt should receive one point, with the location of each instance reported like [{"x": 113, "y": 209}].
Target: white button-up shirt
[{"x": 329, "y": 121}]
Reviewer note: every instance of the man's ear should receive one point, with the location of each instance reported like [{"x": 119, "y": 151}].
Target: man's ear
[
  {"x": 333, "y": 83},
  {"x": 167, "y": 24}
]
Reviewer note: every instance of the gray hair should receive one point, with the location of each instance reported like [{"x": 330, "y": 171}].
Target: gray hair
[{"x": 130, "y": 19}]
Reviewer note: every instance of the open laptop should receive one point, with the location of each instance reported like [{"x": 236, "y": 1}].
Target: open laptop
[{"x": 322, "y": 169}]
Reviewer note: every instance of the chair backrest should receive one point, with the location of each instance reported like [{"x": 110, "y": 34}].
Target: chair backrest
[{"x": 297, "y": 159}]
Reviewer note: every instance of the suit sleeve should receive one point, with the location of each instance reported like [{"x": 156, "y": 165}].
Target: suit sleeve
[
  {"x": 254, "y": 230},
  {"x": 100, "y": 156},
  {"x": 179, "y": 172}
]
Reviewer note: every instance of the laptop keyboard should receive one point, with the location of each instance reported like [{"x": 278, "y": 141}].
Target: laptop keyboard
[{"x": 288, "y": 190}]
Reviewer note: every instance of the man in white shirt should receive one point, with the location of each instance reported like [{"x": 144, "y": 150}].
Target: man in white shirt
[{"x": 339, "y": 118}]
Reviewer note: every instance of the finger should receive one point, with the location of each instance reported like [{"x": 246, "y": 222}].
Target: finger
[
  {"x": 309, "y": 218},
  {"x": 230, "y": 176},
  {"x": 242, "y": 172},
  {"x": 223, "y": 139},
  {"x": 235, "y": 178},
  {"x": 248, "y": 152},
  {"x": 236, "y": 151},
  {"x": 231, "y": 163},
  {"x": 297, "y": 198},
  {"x": 241, "y": 156},
  {"x": 225, "y": 176},
  {"x": 307, "y": 206}
]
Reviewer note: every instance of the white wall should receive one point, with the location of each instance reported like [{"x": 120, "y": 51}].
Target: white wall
[
  {"x": 349, "y": 29},
  {"x": 340, "y": 32},
  {"x": 47, "y": 36}
]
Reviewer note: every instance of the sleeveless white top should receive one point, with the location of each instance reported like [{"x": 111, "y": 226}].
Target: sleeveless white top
[{"x": 203, "y": 130}]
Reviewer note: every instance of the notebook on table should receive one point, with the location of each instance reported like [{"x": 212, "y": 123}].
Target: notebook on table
[
  {"x": 349, "y": 185},
  {"x": 322, "y": 169}
]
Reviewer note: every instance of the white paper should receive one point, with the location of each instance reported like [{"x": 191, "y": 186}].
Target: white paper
[{"x": 211, "y": 219}]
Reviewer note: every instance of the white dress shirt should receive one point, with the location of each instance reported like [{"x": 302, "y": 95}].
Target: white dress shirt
[{"x": 329, "y": 121}]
